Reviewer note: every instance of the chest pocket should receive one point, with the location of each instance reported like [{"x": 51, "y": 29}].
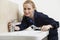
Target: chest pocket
[{"x": 30, "y": 22}]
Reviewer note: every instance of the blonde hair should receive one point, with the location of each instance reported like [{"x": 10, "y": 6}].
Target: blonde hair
[{"x": 30, "y": 2}]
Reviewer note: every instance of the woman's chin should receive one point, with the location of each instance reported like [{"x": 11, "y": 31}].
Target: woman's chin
[{"x": 27, "y": 15}]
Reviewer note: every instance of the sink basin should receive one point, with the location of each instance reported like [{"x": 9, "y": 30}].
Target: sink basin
[{"x": 16, "y": 38}]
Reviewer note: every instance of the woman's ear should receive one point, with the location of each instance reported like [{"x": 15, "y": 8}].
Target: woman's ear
[{"x": 34, "y": 9}]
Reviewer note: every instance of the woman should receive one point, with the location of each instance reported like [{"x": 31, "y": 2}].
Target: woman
[{"x": 32, "y": 17}]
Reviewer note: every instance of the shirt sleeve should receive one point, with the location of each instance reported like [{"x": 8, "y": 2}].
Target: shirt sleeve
[
  {"x": 55, "y": 24},
  {"x": 24, "y": 24},
  {"x": 50, "y": 21}
]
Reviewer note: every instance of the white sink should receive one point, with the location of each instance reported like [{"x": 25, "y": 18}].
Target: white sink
[
  {"x": 16, "y": 38},
  {"x": 24, "y": 35}
]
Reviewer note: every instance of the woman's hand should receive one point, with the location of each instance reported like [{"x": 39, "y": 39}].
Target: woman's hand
[
  {"x": 46, "y": 27},
  {"x": 16, "y": 28}
]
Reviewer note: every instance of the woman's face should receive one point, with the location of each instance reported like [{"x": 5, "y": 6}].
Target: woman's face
[{"x": 28, "y": 10}]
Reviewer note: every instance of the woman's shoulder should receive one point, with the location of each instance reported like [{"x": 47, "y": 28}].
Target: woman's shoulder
[{"x": 41, "y": 14}]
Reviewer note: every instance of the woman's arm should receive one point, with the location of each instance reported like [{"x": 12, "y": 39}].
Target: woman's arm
[
  {"x": 24, "y": 24},
  {"x": 50, "y": 23},
  {"x": 53, "y": 23}
]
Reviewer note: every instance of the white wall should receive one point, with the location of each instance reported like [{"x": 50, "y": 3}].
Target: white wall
[{"x": 49, "y": 7}]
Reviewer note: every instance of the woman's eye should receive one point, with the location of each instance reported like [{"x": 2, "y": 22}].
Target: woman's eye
[
  {"x": 29, "y": 8},
  {"x": 24, "y": 8}
]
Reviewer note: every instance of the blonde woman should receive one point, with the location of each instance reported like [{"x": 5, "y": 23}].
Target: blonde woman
[{"x": 33, "y": 17}]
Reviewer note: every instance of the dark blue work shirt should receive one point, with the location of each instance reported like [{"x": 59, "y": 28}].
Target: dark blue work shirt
[{"x": 40, "y": 19}]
